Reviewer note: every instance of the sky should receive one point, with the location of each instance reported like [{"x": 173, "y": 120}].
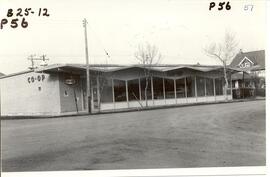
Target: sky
[{"x": 180, "y": 29}]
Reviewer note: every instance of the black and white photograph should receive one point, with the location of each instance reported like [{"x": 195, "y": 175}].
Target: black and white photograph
[{"x": 96, "y": 85}]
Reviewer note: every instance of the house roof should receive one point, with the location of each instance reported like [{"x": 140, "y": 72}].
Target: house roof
[{"x": 257, "y": 57}]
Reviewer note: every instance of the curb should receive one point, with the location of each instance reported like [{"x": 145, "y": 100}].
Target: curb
[{"x": 132, "y": 109}]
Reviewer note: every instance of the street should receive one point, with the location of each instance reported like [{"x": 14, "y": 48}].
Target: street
[{"x": 215, "y": 135}]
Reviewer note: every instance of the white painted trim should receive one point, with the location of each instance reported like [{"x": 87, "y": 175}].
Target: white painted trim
[{"x": 245, "y": 58}]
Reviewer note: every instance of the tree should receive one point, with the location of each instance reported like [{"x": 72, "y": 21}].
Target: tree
[
  {"x": 224, "y": 52},
  {"x": 147, "y": 56},
  {"x": 101, "y": 82}
]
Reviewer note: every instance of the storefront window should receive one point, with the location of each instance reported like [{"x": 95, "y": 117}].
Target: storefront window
[
  {"x": 93, "y": 81},
  {"x": 219, "y": 86},
  {"x": 158, "y": 88},
  {"x": 209, "y": 87},
  {"x": 147, "y": 86},
  {"x": 200, "y": 81},
  {"x": 190, "y": 86},
  {"x": 119, "y": 90},
  {"x": 105, "y": 90},
  {"x": 133, "y": 90},
  {"x": 169, "y": 88},
  {"x": 180, "y": 88}
]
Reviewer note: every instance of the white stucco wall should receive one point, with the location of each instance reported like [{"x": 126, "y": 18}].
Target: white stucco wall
[{"x": 30, "y": 94}]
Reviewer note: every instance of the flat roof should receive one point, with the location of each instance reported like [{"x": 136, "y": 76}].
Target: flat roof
[
  {"x": 113, "y": 68},
  {"x": 15, "y": 74},
  {"x": 54, "y": 68}
]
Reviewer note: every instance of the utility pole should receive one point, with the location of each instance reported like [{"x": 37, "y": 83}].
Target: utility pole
[
  {"x": 32, "y": 58},
  {"x": 88, "y": 92},
  {"x": 43, "y": 58}
]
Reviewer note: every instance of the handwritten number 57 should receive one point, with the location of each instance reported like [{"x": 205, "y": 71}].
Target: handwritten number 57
[{"x": 248, "y": 7}]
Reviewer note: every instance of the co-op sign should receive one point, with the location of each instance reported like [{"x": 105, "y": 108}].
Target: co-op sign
[{"x": 38, "y": 78}]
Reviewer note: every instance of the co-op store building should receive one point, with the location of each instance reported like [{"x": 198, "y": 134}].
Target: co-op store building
[{"x": 60, "y": 89}]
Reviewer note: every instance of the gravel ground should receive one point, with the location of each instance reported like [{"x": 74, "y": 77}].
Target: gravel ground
[{"x": 217, "y": 135}]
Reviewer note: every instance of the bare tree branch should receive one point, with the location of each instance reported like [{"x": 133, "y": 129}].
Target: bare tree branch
[
  {"x": 148, "y": 56},
  {"x": 224, "y": 52}
]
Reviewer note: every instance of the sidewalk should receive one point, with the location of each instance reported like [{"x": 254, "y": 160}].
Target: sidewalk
[
  {"x": 179, "y": 105},
  {"x": 135, "y": 109}
]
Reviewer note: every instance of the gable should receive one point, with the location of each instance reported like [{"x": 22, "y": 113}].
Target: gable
[
  {"x": 245, "y": 63},
  {"x": 257, "y": 57}
]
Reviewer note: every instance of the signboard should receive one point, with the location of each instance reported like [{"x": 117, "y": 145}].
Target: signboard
[
  {"x": 39, "y": 78},
  {"x": 70, "y": 81}
]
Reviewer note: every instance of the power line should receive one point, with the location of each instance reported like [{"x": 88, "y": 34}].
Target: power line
[{"x": 100, "y": 42}]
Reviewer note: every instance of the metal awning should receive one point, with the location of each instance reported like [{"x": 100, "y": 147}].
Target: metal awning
[
  {"x": 203, "y": 68},
  {"x": 67, "y": 68},
  {"x": 81, "y": 68}
]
